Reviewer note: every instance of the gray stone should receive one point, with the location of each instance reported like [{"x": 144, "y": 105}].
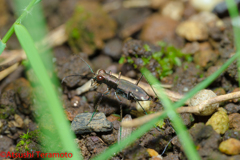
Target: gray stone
[
  {"x": 99, "y": 123},
  {"x": 113, "y": 48}
]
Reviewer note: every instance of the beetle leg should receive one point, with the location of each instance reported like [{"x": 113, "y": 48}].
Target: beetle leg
[
  {"x": 139, "y": 79},
  {"x": 120, "y": 102},
  {"x": 137, "y": 102},
  {"x": 105, "y": 93},
  {"x": 95, "y": 109},
  {"x": 119, "y": 75},
  {"x": 117, "y": 97},
  {"x": 129, "y": 95},
  {"x": 143, "y": 109}
]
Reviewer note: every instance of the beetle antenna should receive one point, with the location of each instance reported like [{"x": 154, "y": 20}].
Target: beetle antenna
[
  {"x": 87, "y": 65},
  {"x": 167, "y": 146},
  {"x": 95, "y": 108}
]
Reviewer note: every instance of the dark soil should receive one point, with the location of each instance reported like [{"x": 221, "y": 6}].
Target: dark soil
[{"x": 119, "y": 32}]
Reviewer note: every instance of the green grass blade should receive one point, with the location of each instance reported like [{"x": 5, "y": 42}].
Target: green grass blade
[
  {"x": 19, "y": 20},
  {"x": 181, "y": 130},
  {"x": 55, "y": 107},
  {"x": 233, "y": 11},
  {"x": 2, "y": 47},
  {"x": 34, "y": 22}
]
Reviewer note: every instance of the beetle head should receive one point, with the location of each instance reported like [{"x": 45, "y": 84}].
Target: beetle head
[{"x": 99, "y": 78}]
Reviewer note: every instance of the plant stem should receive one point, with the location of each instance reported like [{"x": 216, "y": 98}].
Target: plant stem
[
  {"x": 19, "y": 20},
  {"x": 2, "y": 46}
]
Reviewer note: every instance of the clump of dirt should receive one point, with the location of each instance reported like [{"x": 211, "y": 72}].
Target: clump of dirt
[{"x": 87, "y": 28}]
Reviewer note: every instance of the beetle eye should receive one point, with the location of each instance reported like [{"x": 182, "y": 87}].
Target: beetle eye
[
  {"x": 101, "y": 71},
  {"x": 100, "y": 78}
]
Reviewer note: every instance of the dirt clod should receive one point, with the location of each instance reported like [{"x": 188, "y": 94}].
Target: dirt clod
[
  {"x": 232, "y": 108},
  {"x": 95, "y": 145},
  {"x": 231, "y": 134}
]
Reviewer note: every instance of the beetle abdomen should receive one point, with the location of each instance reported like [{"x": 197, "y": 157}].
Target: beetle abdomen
[{"x": 137, "y": 93}]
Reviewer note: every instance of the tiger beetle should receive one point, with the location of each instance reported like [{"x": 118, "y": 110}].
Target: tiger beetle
[{"x": 122, "y": 87}]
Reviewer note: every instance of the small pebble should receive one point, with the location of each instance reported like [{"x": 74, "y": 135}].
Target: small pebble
[
  {"x": 185, "y": 89},
  {"x": 209, "y": 72},
  {"x": 130, "y": 20},
  {"x": 159, "y": 28},
  {"x": 113, "y": 117},
  {"x": 230, "y": 146},
  {"x": 113, "y": 68},
  {"x": 191, "y": 48},
  {"x": 234, "y": 121},
  {"x": 131, "y": 74},
  {"x": 235, "y": 90},
  {"x": 19, "y": 121},
  {"x": 219, "y": 91},
  {"x": 232, "y": 108},
  {"x": 99, "y": 123},
  {"x": 201, "y": 96},
  {"x": 173, "y": 9},
  {"x": 110, "y": 137},
  {"x": 203, "y": 59},
  {"x": 102, "y": 62},
  {"x": 152, "y": 152},
  {"x": 192, "y": 30},
  {"x": 206, "y": 5},
  {"x": 113, "y": 48},
  {"x": 187, "y": 119},
  {"x": 231, "y": 134},
  {"x": 205, "y": 17},
  {"x": 221, "y": 9},
  {"x": 219, "y": 121},
  {"x": 156, "y": 4},
  {"x": 6, "y": 143}
]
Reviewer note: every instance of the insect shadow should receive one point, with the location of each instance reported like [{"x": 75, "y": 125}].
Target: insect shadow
[{"x": 121, "y": 87}]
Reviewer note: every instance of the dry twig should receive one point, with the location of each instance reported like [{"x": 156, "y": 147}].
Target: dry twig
[
  {"x": 195, "y": 110},
  {"x": 54, "y": 38},
  {"x": 7, "y": 71}
]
